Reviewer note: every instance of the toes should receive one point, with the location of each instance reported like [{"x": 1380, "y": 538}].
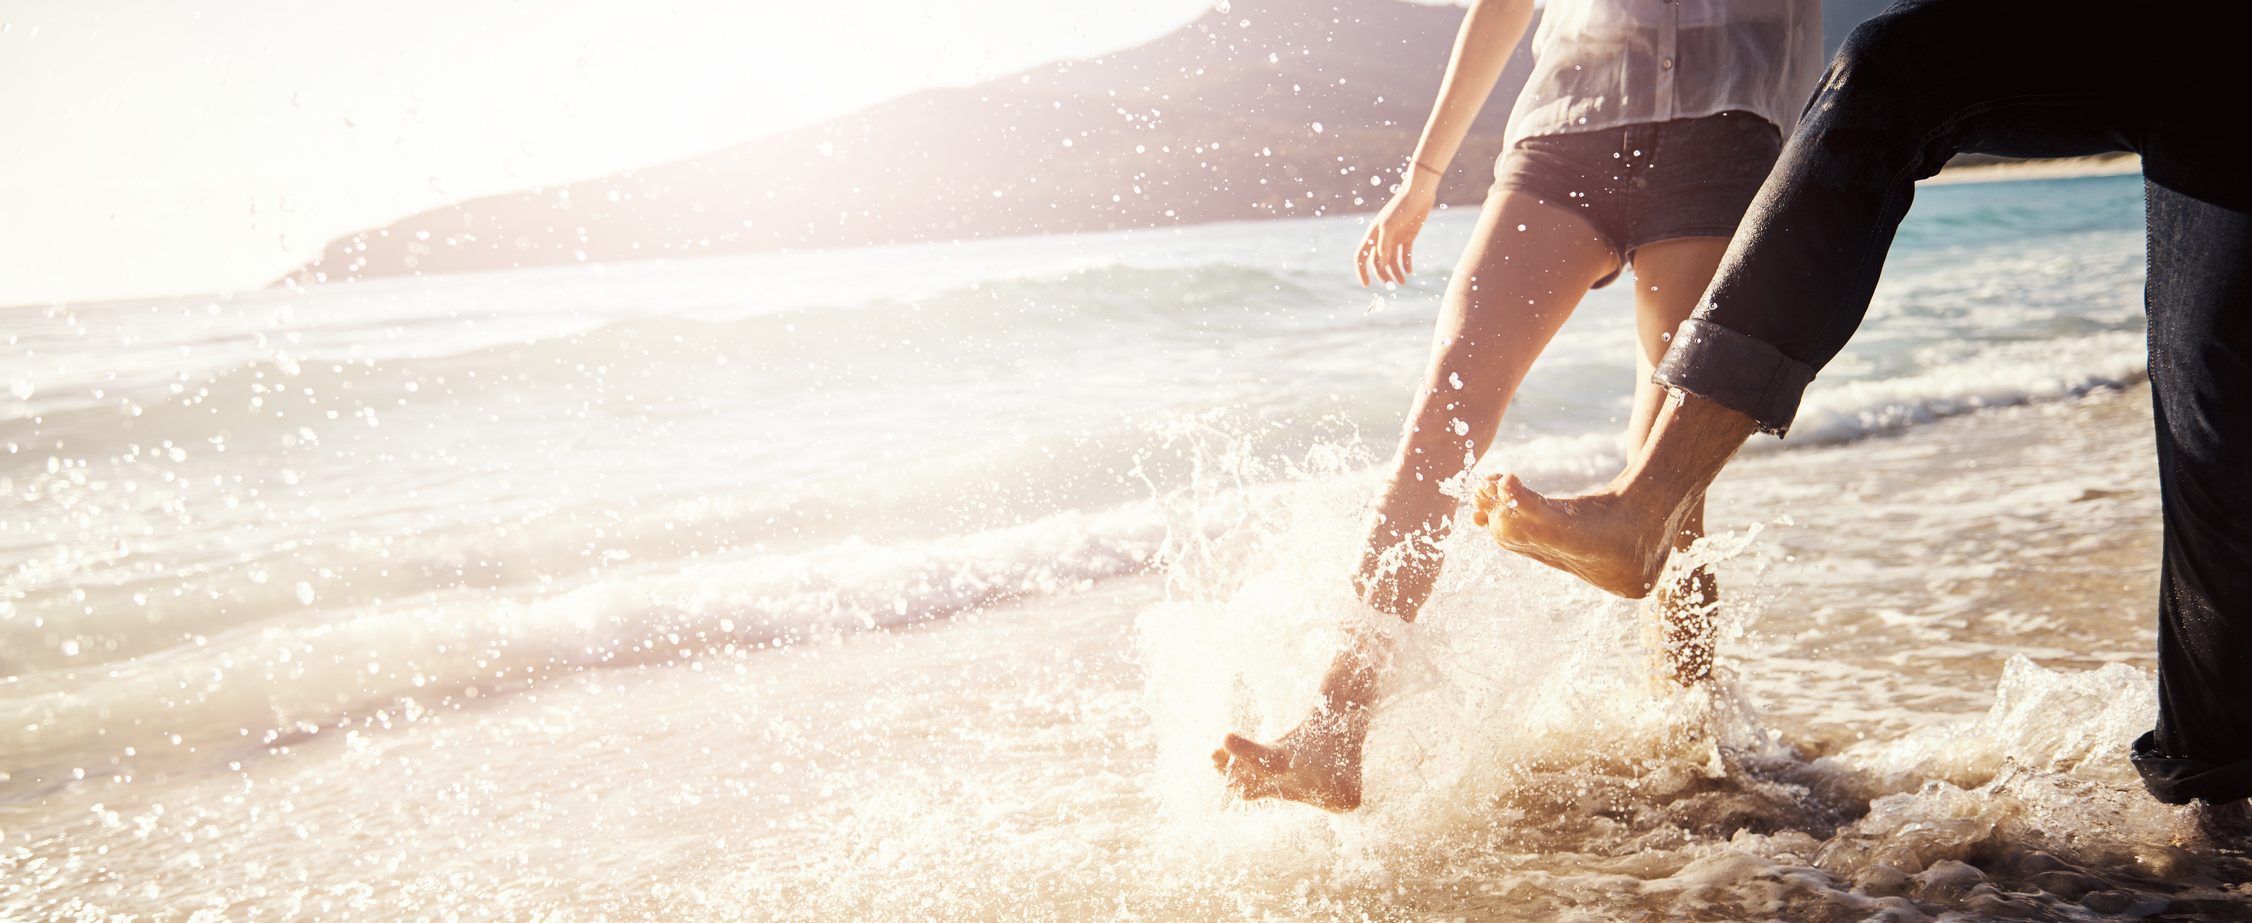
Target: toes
[
  {"x": 1247, "y": 779},
  {"x": 1513, "y": 490},
  {"x": 1517, "y": 504},
  {"x": 1484, "y": 499},
  {"x": 1488, "y": 492},
  {"x": 1260, "y": 755}
]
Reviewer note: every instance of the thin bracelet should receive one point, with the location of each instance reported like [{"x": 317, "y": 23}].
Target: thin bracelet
[{"x": 1435, "y": 171}]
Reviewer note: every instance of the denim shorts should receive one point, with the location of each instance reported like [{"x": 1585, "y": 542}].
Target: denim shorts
[{"x": 1650, "y": 181}]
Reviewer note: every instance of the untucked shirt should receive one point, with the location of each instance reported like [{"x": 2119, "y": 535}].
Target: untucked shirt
[{"x": 1606, "y": 63}]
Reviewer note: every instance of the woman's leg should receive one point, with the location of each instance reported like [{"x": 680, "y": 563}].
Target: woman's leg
[
  {"x": 1669, "y": 277},
  {"x": 1512, "y": 290},
  {"x": 1524, "y": 270}
]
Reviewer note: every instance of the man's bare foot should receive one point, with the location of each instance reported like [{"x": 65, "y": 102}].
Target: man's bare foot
[
  {"x": 1317, "y": 763},
  {"x": 1598, "y": 537}
]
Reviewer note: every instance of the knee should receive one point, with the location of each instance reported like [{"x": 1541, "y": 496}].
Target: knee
[
  {"x": 1877, "y": 107},
  {"x": 1888, "y": 53}
]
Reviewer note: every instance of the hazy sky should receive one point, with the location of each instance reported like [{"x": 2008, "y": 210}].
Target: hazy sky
[{"x": 153, "y": 148}]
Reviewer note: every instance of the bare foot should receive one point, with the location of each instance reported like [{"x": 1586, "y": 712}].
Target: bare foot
[
  {"x": 1599, "y": 537},
  {"x": 1317, "y": 763},
  {"x": 1688, "y": 613}
]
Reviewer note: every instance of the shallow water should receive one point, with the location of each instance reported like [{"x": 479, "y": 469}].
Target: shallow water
[{"x": 793, "y": 588}]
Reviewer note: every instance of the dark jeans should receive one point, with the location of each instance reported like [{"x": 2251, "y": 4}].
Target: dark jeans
[{"x": 1928, "y": 78}]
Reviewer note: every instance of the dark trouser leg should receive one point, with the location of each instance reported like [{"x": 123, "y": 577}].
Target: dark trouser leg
[
  {"x": 2199, "y": 299},
  {"x": 1932, "y": 77},
  {"x": 1909, "y": 89}
]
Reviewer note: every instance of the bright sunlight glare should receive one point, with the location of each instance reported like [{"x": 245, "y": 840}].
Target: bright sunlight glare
[{"x": 215, "y": 149}]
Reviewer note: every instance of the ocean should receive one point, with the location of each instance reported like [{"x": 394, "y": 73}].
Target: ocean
[{"x": 918, "y": 582}]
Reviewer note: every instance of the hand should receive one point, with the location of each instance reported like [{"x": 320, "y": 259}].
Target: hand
[{"x": 1389, "y": 245}]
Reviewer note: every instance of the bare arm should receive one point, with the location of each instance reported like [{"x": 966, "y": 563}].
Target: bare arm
[
  {"x": 1481, "y": 49},
  {"x": 1490, "y": 31}
]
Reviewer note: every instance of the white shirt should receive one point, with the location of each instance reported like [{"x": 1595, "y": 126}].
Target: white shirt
[{"x": 1605, "y": 63}]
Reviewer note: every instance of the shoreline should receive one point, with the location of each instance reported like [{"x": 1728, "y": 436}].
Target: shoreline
[
  {"x": 2059, "y": 168},
  {"x": 2118, "y": 164}
]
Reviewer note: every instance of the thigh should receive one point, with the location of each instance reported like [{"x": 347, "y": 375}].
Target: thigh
[
  {"x": 1527, "y": 265},
  {"x": 1525, "y": 269},
  {"x": 1583, "y": 173},
  {"x": 1910, "y": 88},
  {"x": 2029, "y": 78}
]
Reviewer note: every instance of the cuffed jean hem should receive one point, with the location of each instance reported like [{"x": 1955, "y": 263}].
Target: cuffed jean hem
[
  {"x": 2179, "y": 781},
  {"x": 1736, "y": 371}
]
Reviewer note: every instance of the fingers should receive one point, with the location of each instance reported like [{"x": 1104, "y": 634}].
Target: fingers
[
  {"x": 1386, "y": 252},
  {"x": 1401, "y": 256},
  {"x": 1382, "y": 257}
]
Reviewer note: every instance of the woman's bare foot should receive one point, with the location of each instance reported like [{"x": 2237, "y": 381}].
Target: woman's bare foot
[
  {"x": 1317, "y": 763},
  {"x": 1599, "y": 537}
]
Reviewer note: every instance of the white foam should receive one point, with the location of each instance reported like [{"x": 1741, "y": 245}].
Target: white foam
[{"x": 1999, "y": 375}]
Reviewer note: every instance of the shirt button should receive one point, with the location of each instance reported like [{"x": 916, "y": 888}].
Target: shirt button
[{"x": 1665, "y": 63}]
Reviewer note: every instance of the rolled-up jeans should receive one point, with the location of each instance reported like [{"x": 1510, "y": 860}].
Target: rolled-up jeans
[{"x": 1926, "y": 79}]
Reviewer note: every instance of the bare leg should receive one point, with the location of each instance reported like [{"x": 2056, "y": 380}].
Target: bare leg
[
  {"x": 1669, "y": 278},
  {"x": 1617, "y": 538},
  {"x": 1510, "y": 293}
]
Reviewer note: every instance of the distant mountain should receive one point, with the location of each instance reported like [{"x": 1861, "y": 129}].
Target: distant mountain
[{"x": 1268, "y": 108}]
